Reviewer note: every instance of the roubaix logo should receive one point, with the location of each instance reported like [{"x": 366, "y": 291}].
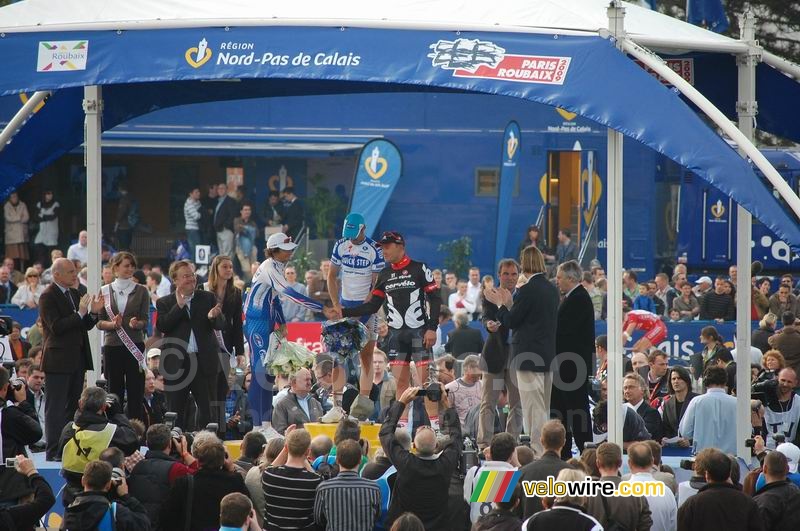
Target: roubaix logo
[
  {"x": 484, "y": 59},
  {"x": 198, "y": 55},
  {"x": 62, "y": 56}
]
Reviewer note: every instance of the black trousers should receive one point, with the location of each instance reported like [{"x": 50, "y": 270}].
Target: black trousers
[
  {"x": 125, "y": 378},
  {"x": 204, "y": 390},
  {"x": 63, "y": 392}
]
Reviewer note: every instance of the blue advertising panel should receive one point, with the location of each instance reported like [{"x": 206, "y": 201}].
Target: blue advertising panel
[
  {"x": 379, "y": 168},
  {"x": 509, "y": 168}
]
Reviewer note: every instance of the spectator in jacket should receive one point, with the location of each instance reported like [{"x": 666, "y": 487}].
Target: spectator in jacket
[
  {"x": 719, "y": 504},
  {"x": 34, "y": 496},
  {"x": 783, "y": 300},
  {"x": 629, "y": 512},
  {"x": 463, "y": 339},
  {"x": 686, "y": 303},
  {"x": 634, "y": 388},
  {"x": 198, "y": 496},
  {"x": 787, "y": 341},
  {"x": 765, "y": 330},
  {"x": 298, "y": 406},
  {"x": 224, "y": 213},
  {"x": 251, "y": 449},
  {"x": 717, "y": 304},
  {"x": 293, "y": 213},
  {"x": 674, "y": 406},
  {"x": 167, "y": 459},
  {"x": 564, "y": 512},
  {"x": 19, "y": 426},
  {"x": 92, "y": 505},
  {"x": 99, "y": 424},
  {"x": 553, "y": 438},
  {"x": 779, "y": 500},
  {"x": 423, "y": 478}
]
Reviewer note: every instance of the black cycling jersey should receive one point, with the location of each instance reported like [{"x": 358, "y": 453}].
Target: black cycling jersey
[{"x": 402, "y": 289}]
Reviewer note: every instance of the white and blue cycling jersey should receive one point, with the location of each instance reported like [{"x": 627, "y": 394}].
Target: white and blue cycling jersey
[
  {"x": 357, "y": 263},
  {"x": 262, "y": 297}
]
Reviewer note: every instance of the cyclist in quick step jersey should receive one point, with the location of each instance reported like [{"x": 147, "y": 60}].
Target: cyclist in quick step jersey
[
  {"x": 403, "y": 288},
  {"x": 359, "y": 259}
]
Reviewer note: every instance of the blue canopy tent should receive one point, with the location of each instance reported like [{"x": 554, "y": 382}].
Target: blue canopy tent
[{"x": 149, "y": 56}]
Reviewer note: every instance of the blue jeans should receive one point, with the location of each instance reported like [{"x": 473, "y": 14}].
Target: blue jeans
[{"x": 194, "y": 238}]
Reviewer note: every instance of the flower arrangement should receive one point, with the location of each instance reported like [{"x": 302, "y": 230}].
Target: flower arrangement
[
  {"x": 344, "y": 338},
  {"x": 284, "y": 356}
]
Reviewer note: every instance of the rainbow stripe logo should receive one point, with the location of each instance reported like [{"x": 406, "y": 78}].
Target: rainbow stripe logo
[{"x": 495, "y": 486}]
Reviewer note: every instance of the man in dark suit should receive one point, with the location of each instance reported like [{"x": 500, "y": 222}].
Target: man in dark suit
[
  {"x": 498, "y": 375},
  {"x": 531, "y": 314},
  {"x": 633, "y": 389},
  {"x": 293, "y": 213},
  {"x": 574, "y": 344},
  {"x": 190, "y": 359},
  {"x": 464, "y": 339},
  {"x": 225, "y": 211},
  {"x": 7, "y": 288},
  {"x": 66, "y": 354}
]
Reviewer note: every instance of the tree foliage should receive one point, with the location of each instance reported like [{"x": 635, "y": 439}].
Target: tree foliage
[{"x": 777, "y": 22}]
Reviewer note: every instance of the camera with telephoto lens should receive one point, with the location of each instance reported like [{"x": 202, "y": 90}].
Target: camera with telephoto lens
[
  {"x": 213, "y": 427},
  {"x": 525, "y": 440},
  {"x": 6, "y": 325},
  {"x": 102, "y": 384},
  {"x": 469, "y": 456},
  {"x": 113, "y": 405},
  {"x": 750, "y": 443},
  {"x": 687, "y": 464},
  {"x": 16, "y": 383}
]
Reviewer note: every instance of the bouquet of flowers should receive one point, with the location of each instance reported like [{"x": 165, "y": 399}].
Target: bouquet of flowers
[
  {"x": 284, "y": 356},
  {"x": 344, "y": 338}
]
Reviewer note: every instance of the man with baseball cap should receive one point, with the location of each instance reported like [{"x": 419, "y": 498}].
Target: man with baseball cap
[
  {"x": 403, "y": 287},
  {"x": 263, "y": 313},
  {"x": 359, "y": 260}
]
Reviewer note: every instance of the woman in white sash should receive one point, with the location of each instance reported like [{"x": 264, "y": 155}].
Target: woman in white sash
[
  {"x": 124, "y": 318},
  {"x": 231, "y": 338}
]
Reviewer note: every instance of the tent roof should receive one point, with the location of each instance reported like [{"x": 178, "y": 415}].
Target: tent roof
[{"x": 516, "y": 15}]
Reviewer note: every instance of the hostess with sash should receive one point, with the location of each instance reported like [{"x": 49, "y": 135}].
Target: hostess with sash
[
  {"x": 231, "y": 338},
  {"x": 130, "y": 300}
]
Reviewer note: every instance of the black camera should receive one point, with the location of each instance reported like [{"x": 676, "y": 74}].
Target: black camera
[
  {"x": 16, "y": 383},
  {"x": 169, "y": 419},
  {"x": 525, "y": 440},
  {"x": 6, "y": 325},
  {"x": 433, "y": 392},
  {"x": 469, "y": 456},
  {"x": 687, "y": 464},
  {"x": 101, "y": 383},
  {"x": 117, "y": 475},
  {"x": 750, "y": 443}
]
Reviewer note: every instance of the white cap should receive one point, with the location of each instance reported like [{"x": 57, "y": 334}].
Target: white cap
[
  {"x": 281, "y": 241},
  {"x": 153, "y": 352},
  {"x": 702, "y": 280},
  {"x": 792, "y": 453}
]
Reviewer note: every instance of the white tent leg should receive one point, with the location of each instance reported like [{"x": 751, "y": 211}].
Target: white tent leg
[
  {"x": 616, "y": 21},
  {"x": 745, "y": 145},
  {"x": 747, "y": 108},
  {"x": 93, "y": 108}
]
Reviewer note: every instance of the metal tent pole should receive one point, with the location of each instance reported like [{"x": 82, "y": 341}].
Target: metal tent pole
[
  {"x": 616, "y": 25},
  {"x": 22, "y": 116},
  {"x": 93, "y": 108},
  {"x": 746, "y": 108},
  {"x": 720, "y": 120}
]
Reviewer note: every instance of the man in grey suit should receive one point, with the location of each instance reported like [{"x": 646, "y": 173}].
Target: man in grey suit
[{"x": 298, "y": 406}]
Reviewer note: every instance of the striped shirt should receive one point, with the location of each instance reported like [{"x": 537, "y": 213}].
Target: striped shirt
[
  {"x": 289, "y": 497},
  {"x": 191, "y": 213},
  {"x": 347, "y": 503}
]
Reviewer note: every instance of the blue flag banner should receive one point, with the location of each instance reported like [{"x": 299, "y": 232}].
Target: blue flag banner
[
  {"x": 379, "y": 168},
  {"x": 708, "y": 13},
  {"x": 509, "y": 168}
]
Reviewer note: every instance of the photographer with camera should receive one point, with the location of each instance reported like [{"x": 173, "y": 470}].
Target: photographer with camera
[
  {"x": 93, "y": 508},
  {"x": 782, "y": 406},
  {"x": 423, "y": 479},
  {"x": 18, "y": 424},
  {"x": 33, "y": 496},
  {"x": 98, "y": 425},
  {"x": 151, "y": 479}
]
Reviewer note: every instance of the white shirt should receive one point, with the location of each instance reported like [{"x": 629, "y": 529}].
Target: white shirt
[
  {"x": 755, "y": 355},
  {"x": 474, "y": 293},
  {"x": 478, "y": 509},
  {"x": 467, "y": 304},
  {"x": 122, "y": 289},
  {"x": 77, "y": 251},
  {"x": 664, "y": 508},
  {"x": 165, "y": 287}
]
